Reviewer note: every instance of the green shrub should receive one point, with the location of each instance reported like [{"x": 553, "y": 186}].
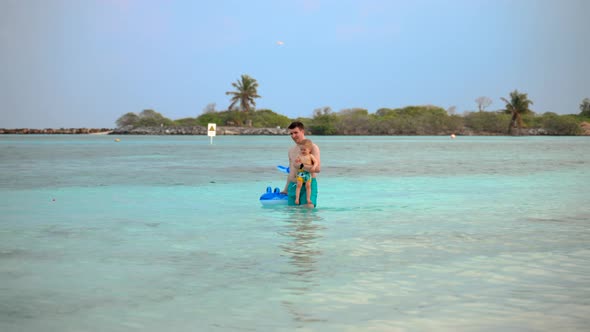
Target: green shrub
[
  {"x": 489, "y": 122},
  {"x": 323, "y": 122},
  {"x": 128, "y": 119},
  {"x": 187, "y": 122},
  {"x": 268, "y": 119},
  {"x": 561, "y": 124}
]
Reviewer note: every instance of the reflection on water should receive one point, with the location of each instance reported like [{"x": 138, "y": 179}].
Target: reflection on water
[{"x": 302, "y": 232}]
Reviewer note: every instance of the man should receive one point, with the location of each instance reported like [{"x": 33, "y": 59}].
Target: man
[{"x": 297, "y": 132}]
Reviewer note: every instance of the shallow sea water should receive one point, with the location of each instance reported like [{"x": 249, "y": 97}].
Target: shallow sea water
[{"x": 410, "y": 234}]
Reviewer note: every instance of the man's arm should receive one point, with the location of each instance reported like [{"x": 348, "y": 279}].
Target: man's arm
[
  {"x": 314, "y": 162},
  {"x": 291, "y": 172},
  {"x": 315, "y": 152}
]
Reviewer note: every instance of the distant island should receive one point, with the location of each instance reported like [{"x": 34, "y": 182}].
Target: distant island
[
  {"x": 408, "y": 121},
  {"x": 233, "y": 130},
  {"x": 242, "y": 118}
]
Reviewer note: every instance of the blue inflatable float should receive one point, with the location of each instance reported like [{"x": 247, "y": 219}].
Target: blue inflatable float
[
  {"x": 275, "y": 197},
  {"x": 283, "y": 169}
]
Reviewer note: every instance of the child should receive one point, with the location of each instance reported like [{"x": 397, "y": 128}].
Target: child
[{"x": 305, "y": 158}]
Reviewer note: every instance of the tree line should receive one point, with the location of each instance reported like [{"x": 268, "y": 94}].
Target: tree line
[{"x": 515, "y": 118}]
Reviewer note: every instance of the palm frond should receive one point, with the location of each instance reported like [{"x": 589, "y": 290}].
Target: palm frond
[{"x": 246, "y": 92}]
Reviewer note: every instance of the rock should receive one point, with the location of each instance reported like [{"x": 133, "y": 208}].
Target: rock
[
  {"x": 198, "y": 130},
  {"x": 52, "y": 131}
]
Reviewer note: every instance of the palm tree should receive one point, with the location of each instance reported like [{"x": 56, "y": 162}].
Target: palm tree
[
  {"x": 245, "y": 93},
  {"x": 585, "y": 107},
  {"x": 517, "y": 106}
]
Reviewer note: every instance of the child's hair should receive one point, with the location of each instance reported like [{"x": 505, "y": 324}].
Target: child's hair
[{"x": 307, "y": 143}]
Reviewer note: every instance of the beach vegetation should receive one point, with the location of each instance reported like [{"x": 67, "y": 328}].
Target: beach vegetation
[
  {"x": 151, "y": 118},
  {"x": 211, "y": 117},
  {"x": 245, "y": 94},
  {"x": 210, "y": 108},
  {"x": 585, "y": 107},
  {"x": 186, "y": 122},
  {"x": 222, "y": 118},
  {"x": 127, "y": 119},
  {"x": 487, "y": 122},
  {"x": 146, "y": 118},
  {"x": 324, "y": 121},
  {"x": 409, "y": 120},
  {"x": 517, "y": 106},
  {"x": 256, "y": 118},
  {"x": 267, "y": 118},
  {"x": 561, "y": 124},
  {"x": 483, "y": 102},
  {"x": 353, "y": 121}
]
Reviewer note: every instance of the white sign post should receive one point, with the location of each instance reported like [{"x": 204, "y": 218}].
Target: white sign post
[{"x": 211, "y": 129}]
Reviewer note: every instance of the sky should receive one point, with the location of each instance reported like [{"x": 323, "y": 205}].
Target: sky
[{"x": 85, "y": 63}]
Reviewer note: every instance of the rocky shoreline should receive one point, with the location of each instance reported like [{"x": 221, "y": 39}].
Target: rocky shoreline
[
  {"x": 52, "y": 131},
  {"x": 196, "y": 130},
  {"x": 223, "y": 130}
]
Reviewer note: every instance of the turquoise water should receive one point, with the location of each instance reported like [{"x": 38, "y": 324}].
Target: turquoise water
[{"x": 410, "y": 234}]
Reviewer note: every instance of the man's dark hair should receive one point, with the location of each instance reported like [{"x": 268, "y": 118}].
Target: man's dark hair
[{"x": 296, "y": 124}]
